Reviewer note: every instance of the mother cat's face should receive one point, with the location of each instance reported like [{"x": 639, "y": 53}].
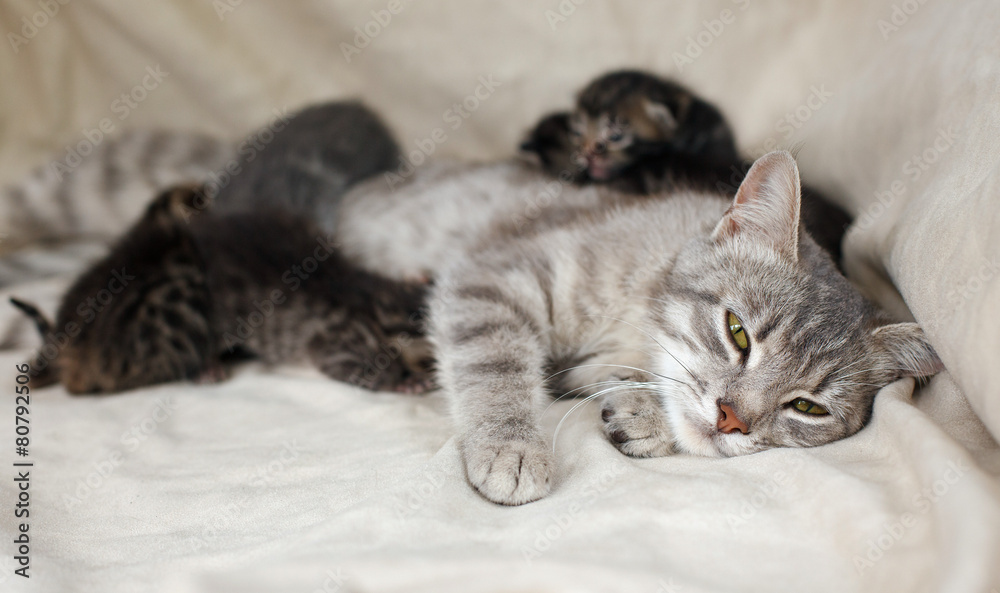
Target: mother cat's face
[{"x": 766, "y": 345}]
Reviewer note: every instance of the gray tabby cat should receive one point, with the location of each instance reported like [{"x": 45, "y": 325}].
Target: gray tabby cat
[
  {"x": 710, "y": 326},
  {"x": 106, "y": 191}
]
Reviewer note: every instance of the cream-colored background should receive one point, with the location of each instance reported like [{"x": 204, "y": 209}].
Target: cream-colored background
[{"x": 660, "y": 523}]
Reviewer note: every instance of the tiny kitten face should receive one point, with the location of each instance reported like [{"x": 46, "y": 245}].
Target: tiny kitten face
[
  {"x": 761, "y": 343},
  {"x": 606, "y": 141},
  {"x": 621, "y": 115}
]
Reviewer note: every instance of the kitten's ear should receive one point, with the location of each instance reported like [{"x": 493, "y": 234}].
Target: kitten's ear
[
  {"x": 766, "y": 207},
  {"x": 530, "y": 152},
  {"x": 912, "y": 354},
  {"x": 660, "y": 114}
]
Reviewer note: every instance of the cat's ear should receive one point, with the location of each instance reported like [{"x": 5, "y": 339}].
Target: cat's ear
[
  {"x": 766, "y": 207},
  {"x": 660, "y": 115},
  {"x": 912, "y": 355}
]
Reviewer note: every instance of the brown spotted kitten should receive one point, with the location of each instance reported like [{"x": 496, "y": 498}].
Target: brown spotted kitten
[{"x": 186, "y": 288}]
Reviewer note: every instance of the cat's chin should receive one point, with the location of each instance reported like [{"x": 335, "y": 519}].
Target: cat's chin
[{"x": 694, "y": 436}]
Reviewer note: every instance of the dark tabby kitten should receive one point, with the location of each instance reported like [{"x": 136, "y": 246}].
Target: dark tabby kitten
[
  {"x": 625, "y": 121},
  {"x": 642, "y": 134},
  {"x": 185, "y": 287}
]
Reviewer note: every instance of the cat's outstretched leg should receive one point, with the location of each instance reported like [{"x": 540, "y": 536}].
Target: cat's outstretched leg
[
  {"x": 636, "y": 424},
  {"x": 490, "y": 331}
]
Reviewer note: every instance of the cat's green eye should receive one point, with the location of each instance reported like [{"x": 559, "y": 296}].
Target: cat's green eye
[
  {"x": 738, "y": 333},
  {"x": 807, "y": 407}
]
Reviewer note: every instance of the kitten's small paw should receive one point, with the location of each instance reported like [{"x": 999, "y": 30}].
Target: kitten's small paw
[
  {"x": 415, "y": 384},
  {"x": 212, "y": 374},
  {"x": 636, "y": 424},
  {"x": 510, "y": 472}
]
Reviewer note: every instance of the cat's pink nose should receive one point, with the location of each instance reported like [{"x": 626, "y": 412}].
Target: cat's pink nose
[{"x": 729, "y": 422}]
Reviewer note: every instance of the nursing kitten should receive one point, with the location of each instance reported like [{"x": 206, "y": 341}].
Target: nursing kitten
[
  {"x": 186, "y": 286},
  {"x": 641, "y": 134},
  {"x": 138, "y": 317},
  {"x": 625, "y": 122},
  {"x": 711, "y": 326}
]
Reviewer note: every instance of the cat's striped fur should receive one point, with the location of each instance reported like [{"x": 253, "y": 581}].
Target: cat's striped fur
[{"x": 629, "y": 299}]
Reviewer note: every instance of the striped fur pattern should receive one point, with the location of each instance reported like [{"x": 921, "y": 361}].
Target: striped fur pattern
[
  {"x": 108, "y": 189},
  {"x": 416, "y": 229},
  {"x": 186, "y": 288},
  {"x": 631, "y": 303},
  {"x": 303, "y": 163}
]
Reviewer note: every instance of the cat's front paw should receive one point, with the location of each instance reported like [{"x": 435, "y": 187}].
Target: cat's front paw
[
  {"x": 636, "y": 424},
  {"x": 510, "y": 472}
]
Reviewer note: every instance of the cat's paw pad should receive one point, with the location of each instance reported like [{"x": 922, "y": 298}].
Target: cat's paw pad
[
  {"x": 636, "y": 424},
  {"x": 510, "y": 472}
]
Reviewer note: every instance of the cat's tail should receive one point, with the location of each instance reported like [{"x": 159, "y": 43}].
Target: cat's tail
[
  {"x": 42, "y": 322},
  {"x": 42, "y": 371}
]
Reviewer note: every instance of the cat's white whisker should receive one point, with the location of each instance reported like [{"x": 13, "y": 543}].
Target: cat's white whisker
[
  {"x": 584, "y": 401},
  {"x": 607, "y": 364},
  {"x": 842, "y": 377},
  {"x": 595, "y": 384}
]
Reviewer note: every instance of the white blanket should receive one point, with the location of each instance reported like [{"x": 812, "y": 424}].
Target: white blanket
[{"x": 281, "y": 480}]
